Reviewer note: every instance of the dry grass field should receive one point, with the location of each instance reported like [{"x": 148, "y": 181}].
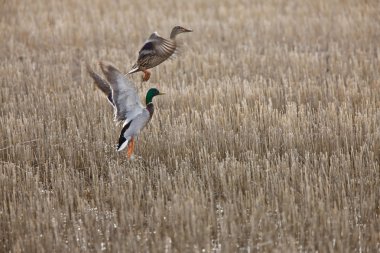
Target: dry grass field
[{"x": 268, "y": 139}]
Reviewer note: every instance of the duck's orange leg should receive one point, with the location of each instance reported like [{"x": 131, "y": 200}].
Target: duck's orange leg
[
  {"x": 146, "y": 75},
  {"x": 131, "y": 146}
]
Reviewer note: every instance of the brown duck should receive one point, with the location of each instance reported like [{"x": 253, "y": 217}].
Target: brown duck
[{"x": 156, "y": 50}]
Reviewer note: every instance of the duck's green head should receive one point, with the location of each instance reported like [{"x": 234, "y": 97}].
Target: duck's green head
[{"x": 152, "y": 92}]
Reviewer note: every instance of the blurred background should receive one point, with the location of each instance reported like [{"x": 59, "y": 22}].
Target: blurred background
[{"x": 267, "y": 139}]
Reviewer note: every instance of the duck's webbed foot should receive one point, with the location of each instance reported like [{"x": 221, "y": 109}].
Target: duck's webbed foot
[
  {"x": 131, "y": 146},
  {"x": 146, "y": 75}
]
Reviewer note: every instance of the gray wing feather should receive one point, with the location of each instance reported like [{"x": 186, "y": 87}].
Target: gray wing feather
[
  {"x": 101, "y": 84},
  {"x": 124, "y": 94}
]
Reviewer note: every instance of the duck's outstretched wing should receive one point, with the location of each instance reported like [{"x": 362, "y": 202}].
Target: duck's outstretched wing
[
  {"x": 156, "y": 49},
  {"x": 124, "y": 94},
  {"x": 101, "y": 84}
]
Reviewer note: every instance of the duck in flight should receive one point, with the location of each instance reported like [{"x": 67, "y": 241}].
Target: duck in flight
[
  {"x": 123, "y": 96},
  {"x": 156, "y": 50}
]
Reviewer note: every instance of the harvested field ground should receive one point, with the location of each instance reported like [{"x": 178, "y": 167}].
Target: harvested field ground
[{"x": 268, "y": 139}]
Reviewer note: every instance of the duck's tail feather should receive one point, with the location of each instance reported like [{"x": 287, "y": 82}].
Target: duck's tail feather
[
  {"x": 134, "y": 69},
  {"x": 123, "y": 141}
]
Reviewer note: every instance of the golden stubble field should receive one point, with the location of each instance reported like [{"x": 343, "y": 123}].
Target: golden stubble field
[{"x": 268, "y": 139}]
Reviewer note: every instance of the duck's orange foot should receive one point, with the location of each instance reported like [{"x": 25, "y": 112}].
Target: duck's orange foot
[
  {"x": 146, "y": 75},
  {"x": 131, "y": 146}
]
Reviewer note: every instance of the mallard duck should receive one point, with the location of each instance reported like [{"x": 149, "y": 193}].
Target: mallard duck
[
  {"x": 156, "y": 50},
  {"x": 122, "y": 95}
]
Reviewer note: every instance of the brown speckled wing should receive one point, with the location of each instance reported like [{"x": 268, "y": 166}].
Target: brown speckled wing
[{"x": 156, "y": 50}]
